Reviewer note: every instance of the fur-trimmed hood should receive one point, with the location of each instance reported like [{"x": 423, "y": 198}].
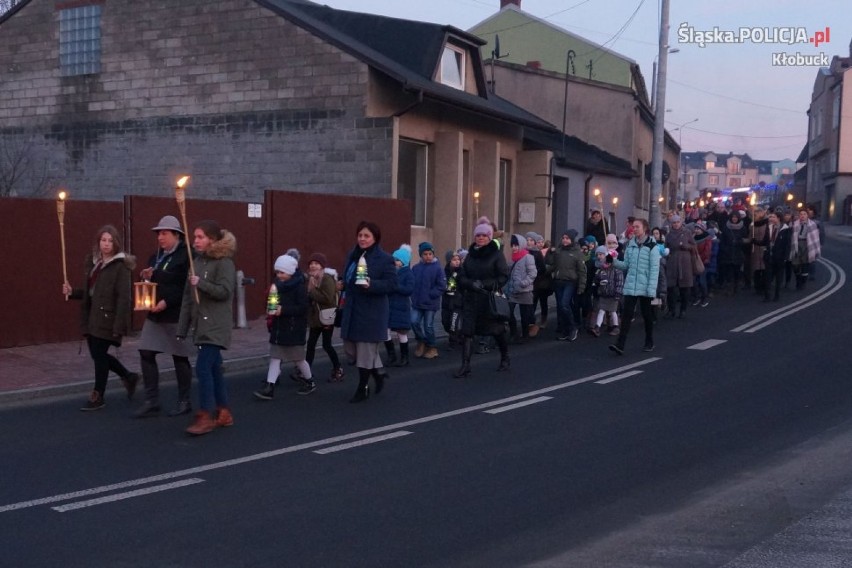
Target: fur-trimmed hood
[
  {"x": 128, "y": 259},
  {"x": 223, "y": 248}
]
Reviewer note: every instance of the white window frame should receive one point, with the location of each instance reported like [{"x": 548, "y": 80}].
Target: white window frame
[{"x": 456, "y": 57}]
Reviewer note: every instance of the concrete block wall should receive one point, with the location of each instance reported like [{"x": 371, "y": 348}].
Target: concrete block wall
[{"x": 224, "y": 90}]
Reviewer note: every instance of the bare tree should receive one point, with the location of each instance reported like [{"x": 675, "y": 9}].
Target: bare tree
[{"x": 24, "y": 170}]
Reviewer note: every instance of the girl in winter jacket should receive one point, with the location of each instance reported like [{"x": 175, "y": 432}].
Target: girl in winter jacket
[
  {"x": 399, "y": 321},
  {"x": 105, "y": 310},
  {"x": 519, "y": 289},
  {"x": 322, "y": 292},
  {"x": 608, "y": 285},
  {"x": 209, "y": 319},
  {"x": 287, "y": 327}
]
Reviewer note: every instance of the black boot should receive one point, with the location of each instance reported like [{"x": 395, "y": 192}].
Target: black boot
[
  {"x": 391, "y": 351},
  {"x": 503, "y": 344},
  {"x": 403, "y": 355},
  {"x": 363, "y": 391},
  {"x": 379, "y": 375},
  {"x": 467, "y": 351}
]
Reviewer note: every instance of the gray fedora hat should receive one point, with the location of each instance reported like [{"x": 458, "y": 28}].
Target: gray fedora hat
[{"x": 168, "y": 223}]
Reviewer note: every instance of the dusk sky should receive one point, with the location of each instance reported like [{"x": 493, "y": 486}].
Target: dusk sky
[{"x": 742, "y": 102}]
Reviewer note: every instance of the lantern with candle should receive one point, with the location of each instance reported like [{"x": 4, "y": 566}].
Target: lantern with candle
[
  {"x": 144, "y": 295},
  {"x": 361, "y": 274}
]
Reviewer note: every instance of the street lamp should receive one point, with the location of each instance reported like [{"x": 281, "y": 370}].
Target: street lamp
[
  {"x": 654, "y": 77},
  {"x": 682, "y": 175}
]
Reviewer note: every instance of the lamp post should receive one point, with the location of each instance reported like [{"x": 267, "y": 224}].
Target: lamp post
[
  {"x": 682, "y": 176},
  {"x": 659, "y": 113}
]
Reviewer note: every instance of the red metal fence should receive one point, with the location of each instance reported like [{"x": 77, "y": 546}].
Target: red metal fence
[{"x": 31, "y": 303}]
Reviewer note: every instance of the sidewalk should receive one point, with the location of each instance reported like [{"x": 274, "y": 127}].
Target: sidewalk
[{"x": 55, "y": 369}]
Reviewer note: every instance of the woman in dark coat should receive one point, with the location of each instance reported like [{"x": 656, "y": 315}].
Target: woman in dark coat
[
  {"x": 105, "y": 310},
  {"x": 168, "y": 268},
  {"x": 731, "y": 254},
  {"x": 483, "y": 271},
  {"x": 364, "y": 324}
]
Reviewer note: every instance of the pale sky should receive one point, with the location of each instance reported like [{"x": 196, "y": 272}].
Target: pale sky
[{"x": 742, "y": 102}]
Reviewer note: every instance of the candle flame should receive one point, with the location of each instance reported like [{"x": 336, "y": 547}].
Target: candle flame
[
  {"x": 182, "y": 181},
  {"x": 615, "y": 201},
  {"x": 62, "y": 195}
]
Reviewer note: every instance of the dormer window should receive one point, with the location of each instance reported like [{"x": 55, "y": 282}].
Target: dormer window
[{"x": 452, "y": 67}]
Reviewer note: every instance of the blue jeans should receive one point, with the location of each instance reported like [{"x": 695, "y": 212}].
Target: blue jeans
[
  {"x": 211, "y": 382},
  {"x": 423, "y": 324},
  {"x": 564, "y": 290}
]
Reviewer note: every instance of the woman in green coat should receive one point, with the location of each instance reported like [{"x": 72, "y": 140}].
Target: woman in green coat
[{"x": 105, "y": 310}]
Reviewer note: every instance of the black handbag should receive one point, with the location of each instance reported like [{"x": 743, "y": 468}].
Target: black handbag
[{"x": 498, "y": 306}]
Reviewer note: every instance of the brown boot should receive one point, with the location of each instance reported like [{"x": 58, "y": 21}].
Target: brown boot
[
  {"x": 224, "y": 417},
  {"x": 421, "y": 349},
  {"x": 430, "y": 353},
  {"x": 202, "y": 424}
]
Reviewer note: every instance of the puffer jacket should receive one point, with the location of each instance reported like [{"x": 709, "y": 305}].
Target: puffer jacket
[
  {"x": 106, "y": 308},
  {"x": 400, "y": 300},
  {"x": 642, "y": 263},
  {"x": 429, "y": 284},
  {"x": 522, "y": 275},
  {"x": 322, "y": 297},
  {"x": 210, "y": 321},
  {"x": 483, "y": 271}
]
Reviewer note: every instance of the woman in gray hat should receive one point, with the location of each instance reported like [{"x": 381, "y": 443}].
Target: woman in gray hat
[{"x": 168, "y": 268}]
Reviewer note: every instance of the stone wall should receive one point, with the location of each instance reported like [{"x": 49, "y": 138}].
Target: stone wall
[{"x": 224, "y": 90}]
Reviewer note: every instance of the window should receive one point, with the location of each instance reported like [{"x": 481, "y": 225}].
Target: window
[
  {"x": 452, "y": 67},
  {"x": 735, "y": 182},
  {"x": 80, "y": 40},
  {"x": 411, "y": 178},
  {"x": 713, "y": 179},
  {"x": 709, "y": 165},
  {"x": 733, "y": 167},
  {"x": 503, "y": 193},
  {"x": 690, "y": 178}
]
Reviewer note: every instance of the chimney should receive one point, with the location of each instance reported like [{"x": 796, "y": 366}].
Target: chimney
[{"x": 504, "y": 3}]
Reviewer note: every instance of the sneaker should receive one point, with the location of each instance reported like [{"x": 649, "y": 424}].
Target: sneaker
[
  {"x": 696, "y": 302},
  {"x": 705, "y": 303},
  {"x": 648, "y": 348},
  {"x": 296, "y": 377},
  {"x": 308, "y": 387},
  {"x": 95, "y": 402},
  {"x": 617, "y": 348},
  {"x": 533, "y": 330},
  {"x": 614, "y": 331},
  {"x": 563, "y": 338},
  {"x": 573, "y": 335},
  {"x": 147, "y": 410},
  {"x": 224, "y": 418},
  {"x": 596, "y": 331},
  {"x": 266, "y": 393}
]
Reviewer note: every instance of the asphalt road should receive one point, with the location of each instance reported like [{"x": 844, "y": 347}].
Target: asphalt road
[{"x": 721, "y": 448}]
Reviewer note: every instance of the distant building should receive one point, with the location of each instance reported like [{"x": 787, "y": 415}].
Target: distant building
[{"x": 829, "y": 148}]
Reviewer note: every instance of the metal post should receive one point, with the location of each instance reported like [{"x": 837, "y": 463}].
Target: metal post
[
  {"x": 659, "y": 118},
  {"x": 242, "y": 281}
]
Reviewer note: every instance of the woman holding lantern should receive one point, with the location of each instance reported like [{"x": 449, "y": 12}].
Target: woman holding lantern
[
  {"x": 210, "y": 319},
  {"x": 105, "y": 313},
  {"x": 369, "y": 277},
  {"x": 168, "y": 269}
]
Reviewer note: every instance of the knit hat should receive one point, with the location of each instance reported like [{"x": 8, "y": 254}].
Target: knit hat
[
  {"x": 601, "y": 250},
  {"x": 168, "y": 223},
  {"x": 294, "y": 253},
  {"x": 319, "y": 258},
  {"x": 424, "y": 246},
  {"x": 675, "y": 219},
  {"x": 403, "y": 254},
  {"x": 287, "y": 264},
  {"x": 483, "y": 227},
  {"x": 462, "y": 252},
  {"x": 448, "y": 256},
  {"x": 590, "y": 239},
  {"x": 571, "y": 233},
  {"x": 532, "y": 235}
]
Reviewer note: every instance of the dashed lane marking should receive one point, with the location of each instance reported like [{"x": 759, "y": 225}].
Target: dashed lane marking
[
  {"x": 705, "y": 345},
  {"x": 518, "y": 405}
]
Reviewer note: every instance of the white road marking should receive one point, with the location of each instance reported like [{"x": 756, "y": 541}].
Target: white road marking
[
  {"x": 127, "y": 495},
  {"x": 835, "y": 283},
  {"x": 618, "y": 377},
  {"x": 362, "y": 442},
  {"x": 518, "y": 405},
  {"x": 310, "y": 445},
  {"x": 705, "y": 345}
]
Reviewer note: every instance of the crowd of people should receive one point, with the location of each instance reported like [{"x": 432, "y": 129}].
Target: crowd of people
[{"x": 486, "y": 294}]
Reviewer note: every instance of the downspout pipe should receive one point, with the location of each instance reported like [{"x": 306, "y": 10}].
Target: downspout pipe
[{"x": 408, "y": 108}]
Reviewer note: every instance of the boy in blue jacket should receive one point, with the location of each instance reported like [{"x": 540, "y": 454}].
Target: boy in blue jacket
[{"x": 430, "y": 282}]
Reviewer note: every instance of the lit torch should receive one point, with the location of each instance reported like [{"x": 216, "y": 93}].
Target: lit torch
[
  {"x": 60, "y": 213},
  {"x": 180, "y": 196}
]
